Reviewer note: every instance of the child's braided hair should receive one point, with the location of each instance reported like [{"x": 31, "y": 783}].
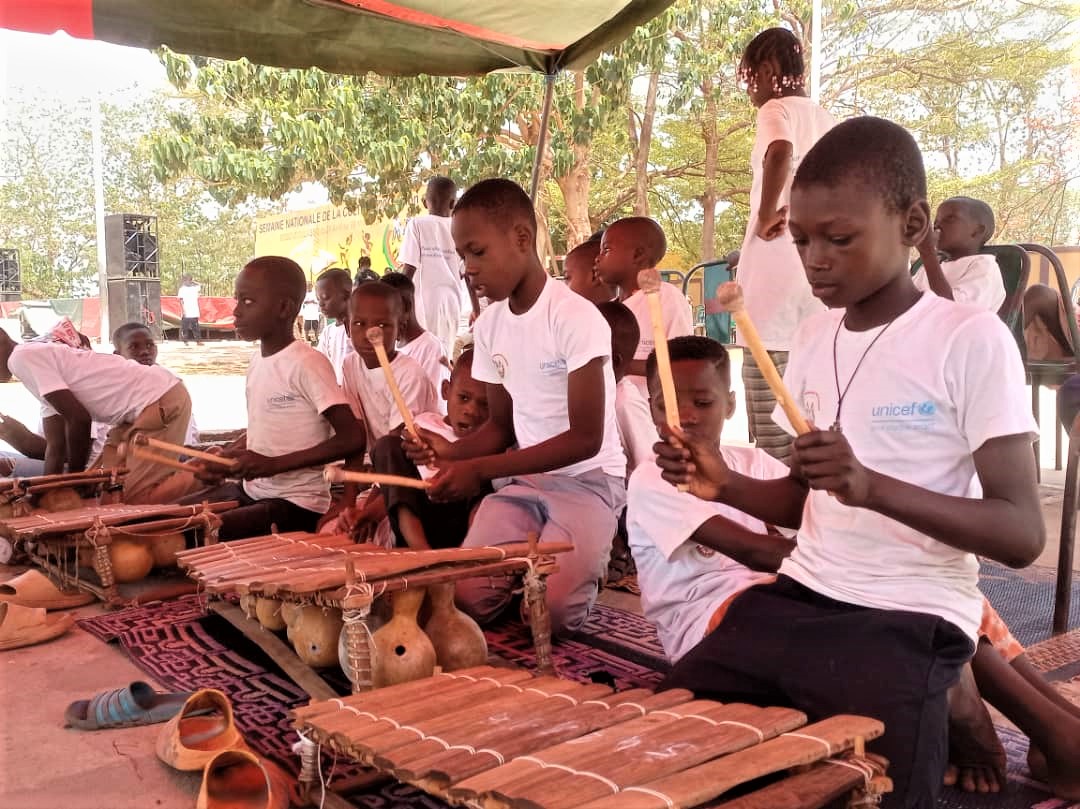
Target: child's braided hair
[{"x": 783, "y": 48}]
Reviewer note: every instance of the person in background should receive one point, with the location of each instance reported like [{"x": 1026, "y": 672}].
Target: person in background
[
  {"x": 364, "y": 271},
  {"x": 775, "y": 290},
  {"x": 189, "y": 317},
  {"x": 413, "y": 340},
  {"x": 579, "y": 272},
  {"x": 333, "y": 289},
  {"x": 309, "y": 311},
  {"x": 962, "y": 227}
]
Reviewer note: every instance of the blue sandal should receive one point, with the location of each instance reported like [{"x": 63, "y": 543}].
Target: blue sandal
[{"x": 137, "y": 704}]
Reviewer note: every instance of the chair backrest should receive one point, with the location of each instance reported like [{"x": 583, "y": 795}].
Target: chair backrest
[
  {"x": 1015, "y": 265},
  {"x": 718, "y": 324},
  {"x": 1062, "y": 282}
]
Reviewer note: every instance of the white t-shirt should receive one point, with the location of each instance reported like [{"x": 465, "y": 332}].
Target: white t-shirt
[
  {"x": 944, "y": 379},
  {"x": 372, "y": 400},
  {"x": 428, "y": 353},
  {"x": 436, "y": 423},
  {"x": 335, "y": 344},
  {"x": 112, "y": 389},
  {"x": 287, "y": 393},
  {"x": 775, "y": 289},
  {"x": 974, "y": 279},
  {"x": 310, "y": 307},
  {"x": 682, "y": 582},
  {"x": 189, "y": 297},
  {"x": 429, "y": 246},
  {"x": 678, "y": 322},
  {"x": 637, "y": 433},
  {"x": 532, "y": 355}
]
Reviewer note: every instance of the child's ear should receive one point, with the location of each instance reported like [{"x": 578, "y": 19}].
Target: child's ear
[
  {"x": 524, "y": 239},
  {"x": 917, "y": 223},
  {"x": 730, "y": 405},
  {"x": 445, "y": 390}
]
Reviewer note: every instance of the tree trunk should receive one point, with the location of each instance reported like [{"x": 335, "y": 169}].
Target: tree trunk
[
  {"x": 709, "y": 195},
  {"x": 641, "y": 152},
  {"x": 575, "y": 183}
]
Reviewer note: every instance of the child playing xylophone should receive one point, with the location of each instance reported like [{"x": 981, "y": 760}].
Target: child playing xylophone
[{"x": 928, "y": 463}]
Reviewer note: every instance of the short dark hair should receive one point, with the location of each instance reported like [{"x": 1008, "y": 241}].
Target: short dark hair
[
  {"x": 284, "y": 275},
  {"x": 980, "y": 211},
  {"x": 379, "y": 289},
  {"x": 693, "y": 347},
  {"x": 363, "y": 261},
  {"x": 124, "y": 330},
  {"x": 879, "y": 154},
  {"x": 441, "y": 189},
  {"x": 500, "y": 200},
  {"x": 651, "y": 235},
  {"x": 581, "y": 248},
  {"x": 625, "y": 331},
  {"x": 336, "y": 275},
  {"x": 780, "y": 46},
  {"x": 462, "y": 364},
  {"x": 401, "y": 282}
]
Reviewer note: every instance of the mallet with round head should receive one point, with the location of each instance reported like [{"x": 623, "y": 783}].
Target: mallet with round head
[{"x": 375, "y": 337}]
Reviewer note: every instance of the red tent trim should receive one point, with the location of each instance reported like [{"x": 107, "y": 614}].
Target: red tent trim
[
  {"x": 409, "y": 15},
  {"x": 49, "y": 16}
]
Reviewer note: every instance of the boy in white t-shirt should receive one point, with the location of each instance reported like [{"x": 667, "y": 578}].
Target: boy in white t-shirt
[
  {"x": 188, "y": 292},
  {"x": 693, "y": 555},
  {"x": 637, "y": 433},
  {"x": 579, "y": 273},
  {"x": 77, "y": 388},
  {"x": 418, "y": 522},
  {"x": 546, "y": 356},
  {"x": 309, "y": 311},
  {"x": 628, "y": 246},
  {"x": 962, "y": 227},
  {"x": 427, "y": 256},
  {"x": 332, "y": 289},
  {"x": 928, "y": 463},
  {"x": 413, "y": 339},
  {"x": 298, "y": 417}
]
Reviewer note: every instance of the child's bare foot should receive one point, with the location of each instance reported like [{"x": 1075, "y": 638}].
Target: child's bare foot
[{"x": 977, "y": 759}]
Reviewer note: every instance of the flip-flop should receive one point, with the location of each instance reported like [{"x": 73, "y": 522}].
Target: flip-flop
[
  {"x": 203, "y": 728},
  {"x": 238, "y": 779},
  {"x": 34, "y": 589},
  {"x": 133, "y": 705},
  {"x": 25, "y": 626}
]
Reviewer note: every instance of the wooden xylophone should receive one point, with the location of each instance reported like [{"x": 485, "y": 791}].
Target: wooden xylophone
[
  {"x": 56, "y": 541},
  {"x": 333, "y": 572},
  {"x": 20, "y": 496},
  {"x": 490, "y": 737}
]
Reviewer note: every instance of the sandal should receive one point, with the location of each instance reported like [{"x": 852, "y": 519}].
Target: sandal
[
  {"x": 26, "y": 626},
  {"x": 203, "y": 728},
  {"x": 136, "y": 704},
  {"x": 238, "y": 779},
  {"x": 35, "y": 589}
]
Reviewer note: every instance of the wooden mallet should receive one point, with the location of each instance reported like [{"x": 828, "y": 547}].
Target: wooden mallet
[
  {"x": 142, "y": 446},
  {"x": 335, "y": 474},
  {"x": 730, "y": 298},
  {"x": 375, "y": 337}
]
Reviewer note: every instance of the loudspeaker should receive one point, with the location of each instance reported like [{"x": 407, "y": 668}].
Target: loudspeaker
[
  {"x": 135, "y": 300},
  {"x": 10, "y": 275},
  {"x": 131, "y": 246}
]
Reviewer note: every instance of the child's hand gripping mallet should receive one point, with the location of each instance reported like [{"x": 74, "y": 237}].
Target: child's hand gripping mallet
[
  {"x": 142, "y": 446},
  {"x": 730, "y": 298},
  {"x": 649, "y": 283},
  {"x": 375, "y": 337}
]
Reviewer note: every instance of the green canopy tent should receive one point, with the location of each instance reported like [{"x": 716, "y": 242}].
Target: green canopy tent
[{"x": 437, "y": 37}]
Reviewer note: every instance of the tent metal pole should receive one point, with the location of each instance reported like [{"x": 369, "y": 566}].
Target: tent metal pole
[
  {"x": 817, "y": 41},
  {"x": 541, "y": 141}
]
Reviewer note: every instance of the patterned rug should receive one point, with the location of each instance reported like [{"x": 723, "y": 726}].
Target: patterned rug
[{"x": 184, "y": 649}]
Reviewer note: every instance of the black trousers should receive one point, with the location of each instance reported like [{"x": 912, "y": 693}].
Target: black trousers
[
  {"x": 445, "y": 524},
  {"x": 254, "y": 518},
  {"x": 782, "y": 644},
  {"x": 189, "y": 328}
]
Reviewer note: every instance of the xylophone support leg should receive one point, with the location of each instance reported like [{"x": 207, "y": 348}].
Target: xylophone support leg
[
  {"x": 103, "y": 565},
  {"x": 309, "y": 767},
  {"x": 539, "y": 619},
  {"x": 358, "y": 647}
]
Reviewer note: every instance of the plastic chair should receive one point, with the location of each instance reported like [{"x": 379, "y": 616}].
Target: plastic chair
[
  {"x": 1067, "y": 540},
  {"x": 717, "y": 323},
  {"x": 1052, "y": 372}
]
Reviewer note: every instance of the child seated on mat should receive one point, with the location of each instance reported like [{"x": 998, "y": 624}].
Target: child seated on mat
[
  {"x": 545, "y": 354},
  {"x": 628, "y": 246},
  {"x": 418, "y": 522},
  {"x": 928, "y": 463},
  {"x": 694, "y": 557},
  {"x": 376, "y": 303},
  {"x": 78, "y": 387},
  {"x": 579, "y": 272},
  {"x": 332, "y": 289},
  {"x": 413, "y": 340},
  {"x": 962, "y": 227},
  {"x": 298, "y": 417}
]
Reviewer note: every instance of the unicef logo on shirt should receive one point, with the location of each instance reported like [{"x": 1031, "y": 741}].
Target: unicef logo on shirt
[
  {"x": 499, "y": 361},
  {"x": 903, "y": 416}
]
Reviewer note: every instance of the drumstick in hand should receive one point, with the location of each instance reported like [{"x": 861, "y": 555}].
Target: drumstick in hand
[
  {"x": 375, "y": 337},
  {"x": 144, "y": 440},
  {"x": 730, "y": 298},
  {"x": 335, "y": 474}
]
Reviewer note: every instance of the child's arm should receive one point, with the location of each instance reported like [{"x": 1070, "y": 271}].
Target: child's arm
[
  {"x": 585, "y": 409},
  {"x": 347, "y": 441},
  {"x": 22, "y": 440},
  {"x": 76, "y": 431},
  {"x": 1005, "y": 525},
  {"x": 935, "y": 276},
  {"x": 762, "y": 552},
  {"x": 776, "y": 174},
  {"x": 55, "y": 429},
  {"x": 412, "y": 529},
  {"x": 697, "y": 464}
]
